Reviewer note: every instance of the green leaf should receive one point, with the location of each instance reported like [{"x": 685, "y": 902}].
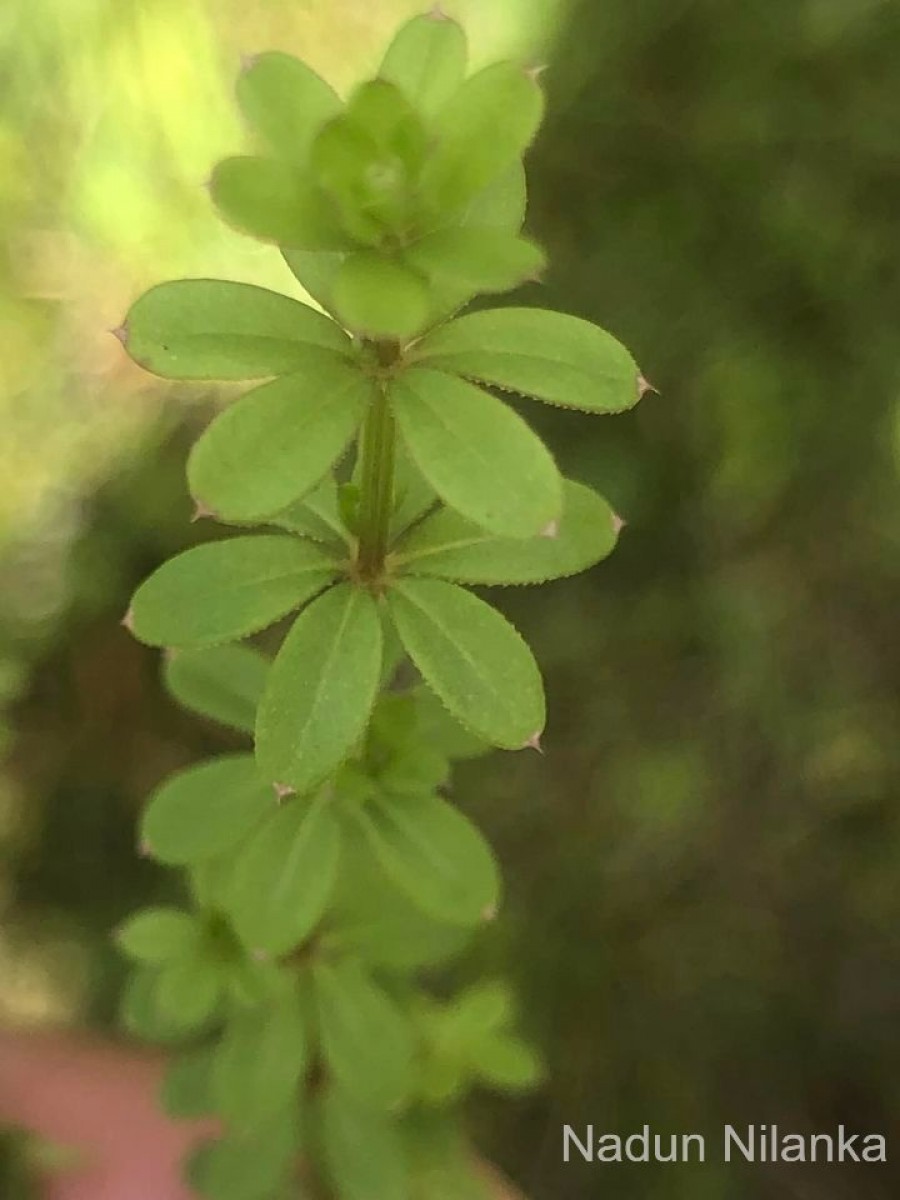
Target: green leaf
[
  {"x": 276, "y": 443},
  {"x": 507, "y": 1063},
  {"x": 553, "y": 357},
  {"x": 286, "y": 102},
  {"x": 435, "y": 854},
  {"x": 413, "y": 495},
  {"x": 364, "y": 1152},
  {"x": 157, "y": 935},
  {"x": 272, "y": 201},
  {"x": 140, "y": 1012},
  {"x": 443, "y": 1163},
  {"x": 205, "y": 810},
  {"x": 223, "y": 683},
  {"x": 485, "y": 126},
  {"x": 224, "y": 590},
  {"x": 260, "y": 1062},
  {"x": 478, "y": 455},
  {"x": 187, "y": 1086},
  {"x": 317, "y": 516},
  {"x": 255, "y": 1165},
  {"x": 427, "y": 61},
  {"x": 372, "y": 918},
  {"x": 366, "y": 1040},
  {"x": 315, "y": 271},
  {"x": 188, "y": 992},
  {"x": 502, "y": 204},
  {"x": 475, "y": 259},
  {"x": 472, "y": 658},
  {"x": 368, "y": 160},
  {"x": 321, "y": 688},
  {"x": 284, "y": 876},
  {"x": 448, "y": 546},
  {"x": 379, "y": 297},
  {"x": 210, "y": 329}
]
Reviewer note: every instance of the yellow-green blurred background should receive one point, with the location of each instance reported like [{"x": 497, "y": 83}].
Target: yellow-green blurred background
[{"x": 703, "y": 912}]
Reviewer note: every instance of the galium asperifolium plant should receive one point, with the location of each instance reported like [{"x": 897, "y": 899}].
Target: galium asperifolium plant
[{"x": 326, "y": 867}]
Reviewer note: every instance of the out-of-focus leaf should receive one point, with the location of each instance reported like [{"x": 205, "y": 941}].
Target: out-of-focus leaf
[
  {"x": 286, "y": 102},
  {"x": 476, "y": 258},
  {"x": 380, "y": 297},
  {"x": 157, "y": 935},
  {"x": 366, "y": 1040},
  {"x": 364, "y": 1151},
  {"x": 203, "y": 811},
  {"x": 427, "y": 61},
  {"x": 223, "y": 683},
  {"x": 271, "y": 200},
  {"x": 252, "y": 1165},
  {"x": 284, "y": 876}
]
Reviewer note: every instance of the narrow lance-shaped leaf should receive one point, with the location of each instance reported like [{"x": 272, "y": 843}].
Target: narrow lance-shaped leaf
[
  {"x": 221, "y": 591},
  {"x": 273, "y": 201},
  {"x": 427, "y": 61},
  {"x": 550, "y": 356},
  {"x": 206, "y": 809},
  {"x": 472, "y": 658},
  {"x": 479, "y": 456},
  {"x": 435, "y": 854},
  {"x": 321, "y": 688},
  {"x": 260, "y": 1062},
  {"x": 223, "y": 683},
  {"x": 211, "y": 329},
  {"x": 276, "y": 443},
  {"x": 366, "y": 1040},
  {"x": 447, "y": 546},
  {"x": 286, "y": 102},
  {"x": 283, "y": 878}
]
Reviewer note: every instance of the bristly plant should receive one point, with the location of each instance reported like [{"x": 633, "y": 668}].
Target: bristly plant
[{"x": 326, "y": 868}]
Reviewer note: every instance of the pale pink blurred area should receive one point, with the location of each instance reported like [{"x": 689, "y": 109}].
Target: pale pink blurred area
[{"x": 99, "y": 1103}]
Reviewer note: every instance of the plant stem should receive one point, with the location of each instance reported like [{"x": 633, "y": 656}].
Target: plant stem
[{"x": 377, "y": 486}]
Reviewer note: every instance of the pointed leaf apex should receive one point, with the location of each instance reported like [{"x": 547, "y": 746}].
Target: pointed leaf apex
[
  {"x": 170, "y": 653},
  {"x": 551, "y": 530},
  {"x": 260, "y": 956},
  {"x": 618, "y": 524},
  {"x": 489, "y": 913},
  {"x": 282, "y": 791},
  {"x": 644, "y": 386},
  {"x": 534, "y": 73},
  {"x": 248, "y": 62},
  {"x": 127, "y": 621},
  {"x": 201, "y": 512},
  {"x": 121, "y": 332},
  {"x": 534, "y": 742},
  {"x": 438, "y": 13},
  {"x": 145, "y": 850}
]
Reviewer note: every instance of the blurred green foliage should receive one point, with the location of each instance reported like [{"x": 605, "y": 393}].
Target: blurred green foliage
[{"x": 702, "y": 908}]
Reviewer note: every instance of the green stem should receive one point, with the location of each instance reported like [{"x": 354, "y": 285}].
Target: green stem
[{"x": 377, "y": 486}]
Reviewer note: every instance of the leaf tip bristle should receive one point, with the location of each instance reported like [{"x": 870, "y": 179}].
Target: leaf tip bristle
[
  {"x": 438, "y": 13},
  {"x": 618, "y": 523},
  {"x": 169, "y": 654},
  {"x": 534, "y": 742},
  {"x": 535, "y": 72},
  {"x": 145, "y": 850},
  {"x": 644, "y": 386},
  {"x": 259, "y": 955},
  {"x": 248, "y": 62},
  {"x": 121, "y": 333},
  {"x": 489, "y": 913},
  {"x": 282, "y": 791},
  {"x": 201, "y": 512},
  {"x": 127, "y": 621},
  {"x": 550, "y": 530}
]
